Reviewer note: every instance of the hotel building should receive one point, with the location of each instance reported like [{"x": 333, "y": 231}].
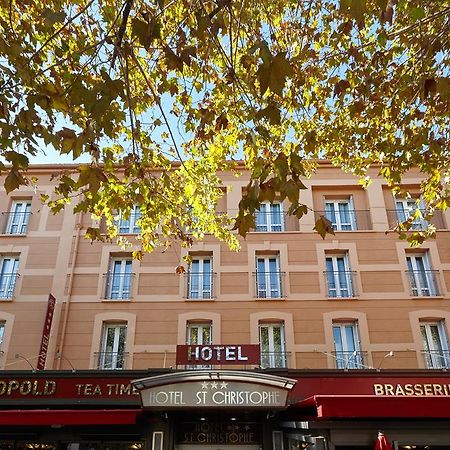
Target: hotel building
[{"x": 293, "y": 342}]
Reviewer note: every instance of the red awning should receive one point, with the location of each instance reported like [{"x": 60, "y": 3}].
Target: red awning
[
  {"x": 69, "y": 416},
  {"x": 383, "y": 406}
]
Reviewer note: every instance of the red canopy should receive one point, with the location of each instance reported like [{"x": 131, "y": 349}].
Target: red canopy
[
  {"x": 354, "y": 406},
  {"x": 69, "y": 417}
]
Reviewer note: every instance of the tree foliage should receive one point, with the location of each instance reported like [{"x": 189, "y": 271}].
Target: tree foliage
[{"x": 162, "y": 95}]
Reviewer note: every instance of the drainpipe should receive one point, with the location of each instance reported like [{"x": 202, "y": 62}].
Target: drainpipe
[{"x": 60, "y": 351}]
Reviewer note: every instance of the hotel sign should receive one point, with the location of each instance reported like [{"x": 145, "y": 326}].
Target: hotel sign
[
  {"x": 215, "y": 394},
  {"x": 218, "y": 354},
  {"x": 46, "y": 332},
  {"x": 214, "y": 390},
  {"x": 213, "y": 433}
]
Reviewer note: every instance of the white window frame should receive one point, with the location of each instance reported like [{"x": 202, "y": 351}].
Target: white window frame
[
  {"x": 274, "y": 356},
  {"x": 2, "y": 333},
  {"x": 340, "y": 224},
  {"x": 268, "y": 282},
  {"x": 117, "y": 358},
  {"x": 421, "y": 281},
  {"x": 435, "y": 358},
  {"x": 130, "y": 226},
  {"x": 18, "y": 217},
  {"x": 9, "y": 266},
  {"x": 268, "y": 219},
  {"x": 406, "y": 207},
  {"x": 123, "y": 289},
  {"x": 200, "y": 278},
  {"x": 335, "y": 275},
  {"x": 349, "y": 356},
  {"x": 201, "y": 327}
]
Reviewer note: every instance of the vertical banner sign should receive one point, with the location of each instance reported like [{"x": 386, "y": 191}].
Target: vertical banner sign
[{"x": 46, "y": 332}]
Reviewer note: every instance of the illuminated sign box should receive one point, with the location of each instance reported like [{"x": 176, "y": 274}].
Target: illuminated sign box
[{"x": 218, "y": 354}]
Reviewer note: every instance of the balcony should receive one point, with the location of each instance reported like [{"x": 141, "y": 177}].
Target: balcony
[
  {"x": 199, "y": 285},
  {"x": 396, "y": 216},
  {"x": 7, "y": 285},
  {"x": 350, "y": 360},
  {"x": 424, "y": 283},
  {"x": 274, "y": 360},
  {"x": 14, "y": 223},
  {"x": 437, "y": 359},
  {"x": 340, "y": 284},
  {"x": 351, "y": 220},
  {"x": 118, "y": 286},
  {"x": 129, "y": 226},
  {"x": 111, "y": 360},
  {"x": 269, "y": 285},
  {"x": 271, "y": 222}
]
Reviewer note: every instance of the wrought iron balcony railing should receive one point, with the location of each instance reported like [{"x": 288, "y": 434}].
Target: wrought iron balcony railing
[
  {"x": 350, "y": 360},
  {"x": 8, "y": 285},
  {"x": 437, "y": 359},
  {"x": 269, "y": 221},
  {"x": 118, "y": 286},
  {"x": 340, "y": 284},
  {"x": 350, "y": 220},
  {"x": 274, "y": 359},
  {"x": 424, "y": 283},
  {"x": 199, "y": 285},
  {"x": 269, "y": 284},
  {"x": 396, "y": 216},
  {"x": 14, "y": 222},
  {"x": 111, "y": 360}
]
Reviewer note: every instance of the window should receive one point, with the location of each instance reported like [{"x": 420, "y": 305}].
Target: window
[
  {"x": 200, "y": 278},
  {"x": 119, "y": 279},
  {"x": 8, "y": 276},
  {"x": 341, "y": 214},
  {"x": 339, "y": 277},
  {"x": 112, "y": 354},
  {"x": 17, "y": 218},
  {"x": 272, "y": 344},
  {"x": 199, "y": 334},
  {"x": 2, "y": 332},
  {"x": 423, "y": 281},
  {"x": 268, "y": 277},
  {"x": 406, "y": 208},
  {"x": 346, "y": 346},
  {"x": 270, "y": 217},
  {"x": 129, "y": 225},
  {"x": 435, "y": 345}
]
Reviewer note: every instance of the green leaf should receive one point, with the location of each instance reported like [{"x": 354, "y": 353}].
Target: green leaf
[
  {"x": 272, "y": 113},
  {"x": 417, "y": 13},
  {"x": 280, "y": 70},
  {"x": 323, "y": 226},
  {"x": 13, "y": 181},
  {"x": 263, "y": 74},
  {"x": 173, "y": 61},
  {"x": 17, "y": 159}
]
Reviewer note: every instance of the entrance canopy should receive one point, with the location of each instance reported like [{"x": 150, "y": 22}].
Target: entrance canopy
[
  {"x": 371, "y": 406},
  {"x": 214, "y": 389}
]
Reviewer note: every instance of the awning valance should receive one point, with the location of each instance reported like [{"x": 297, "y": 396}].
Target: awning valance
[
  {"x": 69, "y": 417},
  {"x": 370, "y": 406}
]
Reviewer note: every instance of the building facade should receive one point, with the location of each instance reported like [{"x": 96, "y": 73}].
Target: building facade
[{"x": 359, "y": 305}]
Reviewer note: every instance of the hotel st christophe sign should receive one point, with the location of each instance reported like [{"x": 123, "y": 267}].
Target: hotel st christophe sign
[{"x": 214, "y": 389}]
